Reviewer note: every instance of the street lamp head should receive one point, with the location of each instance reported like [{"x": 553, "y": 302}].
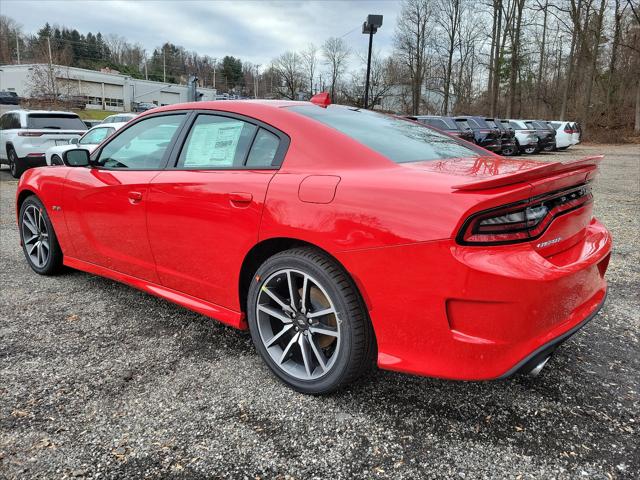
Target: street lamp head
[{"x": 372, "y": 24}]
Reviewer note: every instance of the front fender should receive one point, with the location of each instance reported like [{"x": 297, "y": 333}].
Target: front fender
[{"x": 47, "y": 183}]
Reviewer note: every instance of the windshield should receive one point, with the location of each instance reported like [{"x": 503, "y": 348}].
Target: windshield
[
  {"x": 56, "y": 121},
  {"x": 396, "y": 139}
]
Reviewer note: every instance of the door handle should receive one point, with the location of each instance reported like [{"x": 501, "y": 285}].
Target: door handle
[
  {"x": 135, "y": 197},
  {"x": 240, "y": 198}
]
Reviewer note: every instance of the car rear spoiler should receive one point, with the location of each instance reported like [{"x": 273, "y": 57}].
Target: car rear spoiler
[{"x": 588, "y": 164}]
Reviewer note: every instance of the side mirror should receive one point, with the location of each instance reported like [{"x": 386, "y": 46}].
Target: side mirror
[
  {"x": 78, "y": 157},
  {"x": 74, "y": 141}
]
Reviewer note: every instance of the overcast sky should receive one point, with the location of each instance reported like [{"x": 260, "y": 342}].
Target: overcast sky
[{"x": 256, "y": 31}]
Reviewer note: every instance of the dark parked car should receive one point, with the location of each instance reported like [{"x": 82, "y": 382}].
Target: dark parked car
[
  {"x": 545, "y": 132},
  {"x": 143, "y": 106},
  {"x": 485, "y": 136},
  {"x": 508, "y": 136},
  {"x": 447, "y": 125},
  {"x": 9, "y": 98}
]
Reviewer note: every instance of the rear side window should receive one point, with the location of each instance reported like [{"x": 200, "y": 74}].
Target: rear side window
[
  {"x": 264, "y": 149},
  {"x": 398, "y": 140},
  {"x": 55, "y": 121},
  {"x": 217, "y": 142},
  {"x": 556, "y": 125}
]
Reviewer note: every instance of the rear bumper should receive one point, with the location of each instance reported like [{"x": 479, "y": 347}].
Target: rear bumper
[
  {"x": 545, "y": 351},
  {"x": 477, "y": 313}
]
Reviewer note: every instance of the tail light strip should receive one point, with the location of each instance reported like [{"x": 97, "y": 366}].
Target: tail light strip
[{"x": 522, "y": 221}]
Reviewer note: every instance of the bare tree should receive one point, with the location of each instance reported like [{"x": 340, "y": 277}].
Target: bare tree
[
  {"x": 336, "y": 54},
  {"x": 310, "y": 64},
  {"x": 448, "y": 19},
  {"x": 288, "y": 68},
  {"x": 411, "y": 38}
]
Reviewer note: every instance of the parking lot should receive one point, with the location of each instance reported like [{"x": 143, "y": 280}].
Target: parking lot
[{"x": 100, "y": 380}]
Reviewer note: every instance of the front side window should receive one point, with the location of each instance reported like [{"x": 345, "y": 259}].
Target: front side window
[
  {"x": 96, "y": 136},
  {"x": 142, "y": 146},
  {"x": 217, "y": 142},
  {"x": 398, "y": 140}
]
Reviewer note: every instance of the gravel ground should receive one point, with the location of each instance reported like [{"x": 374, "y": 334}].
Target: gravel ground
[{"x": 100, "y": 380}]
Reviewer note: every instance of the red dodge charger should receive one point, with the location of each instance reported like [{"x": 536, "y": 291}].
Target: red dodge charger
[{"x": 337, "y": 236}]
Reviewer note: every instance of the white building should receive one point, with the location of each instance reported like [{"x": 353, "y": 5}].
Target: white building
[{"x": 103, "y": 90}]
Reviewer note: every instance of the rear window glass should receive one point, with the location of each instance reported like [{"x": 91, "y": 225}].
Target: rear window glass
[
  {"x": 396, "y": 139},
  {"x": 55, "y": 121},
  {"x": 540, "y": 125},
  {"x": 463, "y": 124},
  {"x": 435, "y": 122},
  {"x": 491, "y": 123},
  {"x": 556, "y": 125}
]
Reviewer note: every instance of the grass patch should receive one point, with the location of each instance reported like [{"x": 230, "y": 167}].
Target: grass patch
[{"x": 94, "y": 114}]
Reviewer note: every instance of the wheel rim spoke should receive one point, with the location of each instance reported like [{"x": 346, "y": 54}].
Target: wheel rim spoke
[
  {"x": 316, "y": 351},
  {"x": 279, "y": 335},
  {"x": 291, "y": 343},
  {"x": 302, "y": 342},
  {"x": 321, "y": 313},
  {"x": 274, "y": 313},
  {"x": 305, "y": 294},
  {"x": 276, "y": 299},
  {"x": 323, "y": 330},
  {"x": 292, "y": 291}
]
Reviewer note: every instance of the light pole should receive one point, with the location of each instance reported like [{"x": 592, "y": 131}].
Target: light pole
[{"x": 370, "y": 26}]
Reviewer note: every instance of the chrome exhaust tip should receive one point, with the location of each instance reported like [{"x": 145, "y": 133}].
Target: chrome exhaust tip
[{"x": 535, "y": 371}]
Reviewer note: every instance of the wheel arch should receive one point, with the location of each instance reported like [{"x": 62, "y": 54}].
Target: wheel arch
[
  {"x": 22, "y": 196},
  {"x": 269, "y": 247}
]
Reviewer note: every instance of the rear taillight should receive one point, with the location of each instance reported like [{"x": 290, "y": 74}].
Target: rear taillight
[
  {"x": 522, "y": 221},
  {"x": 30, "y": 134},
  {"x": 568, "y": 130}
]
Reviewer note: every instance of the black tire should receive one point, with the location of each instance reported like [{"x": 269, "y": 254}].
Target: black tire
[
  {"x": 530, "y": 150},
  {"x": 53, "y": 263},
  {"x": 14, "y": 163},
  {"x": 56, "y": 160},
  {"x": 509, "y": 151},
  {"x": 357, "y": 348}
]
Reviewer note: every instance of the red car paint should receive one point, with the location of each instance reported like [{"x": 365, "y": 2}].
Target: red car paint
[{"x": 438, "y": 307}]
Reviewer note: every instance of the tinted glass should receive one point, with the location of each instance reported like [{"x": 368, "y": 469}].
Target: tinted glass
[
  {"x": 491, "y": 123},
  {"x": 96, "y": 136},
  {"x": 216, "y": 142},
  {"x": 505, "y": 124},
  {"x": 55, "y": 121},
  {"x": 556, "y": 125},
  {"x": 396, "y": 139},
  {"x": 464, "y": 125},
  {"x": 264, "y": 149},
  {"x": 516, "y": 125},
  {"x": 143, "y": 145},
  {"x": 436, "y": 122}
]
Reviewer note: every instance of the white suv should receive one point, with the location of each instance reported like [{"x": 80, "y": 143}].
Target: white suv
[{"x": 25, "y": 136}]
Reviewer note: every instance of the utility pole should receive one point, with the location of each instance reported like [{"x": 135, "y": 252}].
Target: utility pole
[
  {"x": 18, "y": 47},
  {"x": 215, "y": 66},
  {"x": 51, "y": 82},
  {"x": 164, "y": 64},
  {"x": 370, "y": 26},
  {"x": 255, "y": 82}
]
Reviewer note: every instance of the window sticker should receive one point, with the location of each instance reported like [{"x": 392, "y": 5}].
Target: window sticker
[{"x": 213, "y": 144}]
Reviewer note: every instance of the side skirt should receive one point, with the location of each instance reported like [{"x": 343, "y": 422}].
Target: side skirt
[{"x": 217, "y": 312}]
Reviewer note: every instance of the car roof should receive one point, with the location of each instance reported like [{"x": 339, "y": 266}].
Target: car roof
[
  {"x": 116, "y": 125},
  {"x": 52, "y": 112}
]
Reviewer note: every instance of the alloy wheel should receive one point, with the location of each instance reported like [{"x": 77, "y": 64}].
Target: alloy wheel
[
  {"x": 35, "y": 236},
  {"x": 298, "y": 324}
]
